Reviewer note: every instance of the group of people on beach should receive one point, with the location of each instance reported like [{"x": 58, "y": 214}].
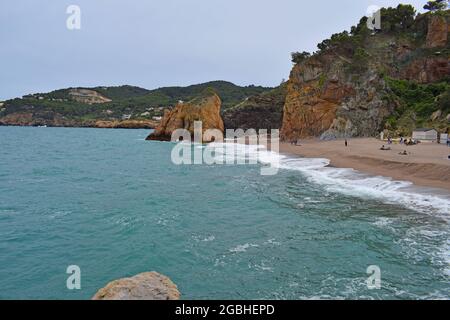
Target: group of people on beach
[
  {"x": 403, "y": 141},
  {"x": 407, "y": 142}
]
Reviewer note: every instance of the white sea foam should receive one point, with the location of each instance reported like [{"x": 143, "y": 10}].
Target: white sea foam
[
  {"x": 199, "y": 238},
  {"x": 353, "y": 183},
  {"x": 384, "y": 223},
  {"x": 243, "y": 247},
  {"x": 272, "y": 242},
  {"x": 261, "y": 267},
  {"x": 347, "y": 181}
]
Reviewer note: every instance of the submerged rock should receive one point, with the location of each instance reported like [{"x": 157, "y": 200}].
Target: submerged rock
[{"x": 144, "y": 286}]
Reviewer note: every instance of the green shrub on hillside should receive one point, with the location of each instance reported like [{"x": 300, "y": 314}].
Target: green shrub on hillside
[
  {"x": 416, "y": 103},
  {"x": 298, "y": 57}
]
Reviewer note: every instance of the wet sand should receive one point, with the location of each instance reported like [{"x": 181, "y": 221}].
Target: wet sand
[{"x": 425, "y": 165}]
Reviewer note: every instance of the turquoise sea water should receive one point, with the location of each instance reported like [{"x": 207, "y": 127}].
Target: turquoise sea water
[{"x": 115, "y": 205}]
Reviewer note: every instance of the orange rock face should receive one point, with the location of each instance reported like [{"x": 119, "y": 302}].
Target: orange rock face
[
  {"x": 311, "y": 105},
  {"x": 306, "y": 114},
  {"x": 17, "y": 119},
  {"x": 427, "y": 70},
  {"x": 438, "y": 29},
  {"x": 183, "y": 116}
]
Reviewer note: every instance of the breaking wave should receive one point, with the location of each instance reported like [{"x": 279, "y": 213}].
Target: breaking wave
[{"x": 345, "y": 181}]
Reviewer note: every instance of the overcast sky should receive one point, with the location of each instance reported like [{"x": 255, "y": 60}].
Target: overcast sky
[{"x": 155, "y": 43}]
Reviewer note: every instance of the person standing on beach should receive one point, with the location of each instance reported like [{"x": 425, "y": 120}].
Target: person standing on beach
[{"x": 346, "y": 143}]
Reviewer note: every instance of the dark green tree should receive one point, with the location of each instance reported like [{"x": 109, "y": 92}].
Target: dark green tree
[
  {"x": 298, "y": 57},
  {"x": 436, "y": 5},
  {"x": 397, "y": 19}
]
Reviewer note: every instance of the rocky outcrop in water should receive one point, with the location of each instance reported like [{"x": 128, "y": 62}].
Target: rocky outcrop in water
[
  {"x": 341, "y": 91},
  {"x": 144, "y": 286},
  {"x": 205, "y": 108}
]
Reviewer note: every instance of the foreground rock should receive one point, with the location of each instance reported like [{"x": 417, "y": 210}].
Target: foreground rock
[
  {"x": 144, "y": 286},
  {"x": 205, "y": 108}
]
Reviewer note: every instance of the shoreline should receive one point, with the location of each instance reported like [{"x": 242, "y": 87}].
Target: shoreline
[
  {"x": 79, "y": 127},
  {"x": 424, "y": 166}
]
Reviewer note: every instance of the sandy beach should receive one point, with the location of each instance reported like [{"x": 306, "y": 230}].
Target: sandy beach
[{"x": 425, "y": 165}]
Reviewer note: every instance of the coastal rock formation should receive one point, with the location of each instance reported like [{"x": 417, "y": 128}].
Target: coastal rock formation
[
  {"x": 322, "y": 100},
  {"x": 127, "y": 124},
  {"x": 144, "y": 286},
  {"x": 36, "y": 118},
  {"x": 345, "y": 89},
  {"x": 17, "y": 119},
  {"x": 205, "y": 108},
  {"x": 263, "y": 111},
  {"x": 51, "y": 119}
]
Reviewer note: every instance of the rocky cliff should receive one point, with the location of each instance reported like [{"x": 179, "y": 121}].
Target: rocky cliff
[
  {"x": 438, "y": 29},
  {"x": 205, "y": 108},
  {"x": 144, "y": 286},
  {"x": 263, "y": 111},
  {"x": 344, "y": 89}
]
